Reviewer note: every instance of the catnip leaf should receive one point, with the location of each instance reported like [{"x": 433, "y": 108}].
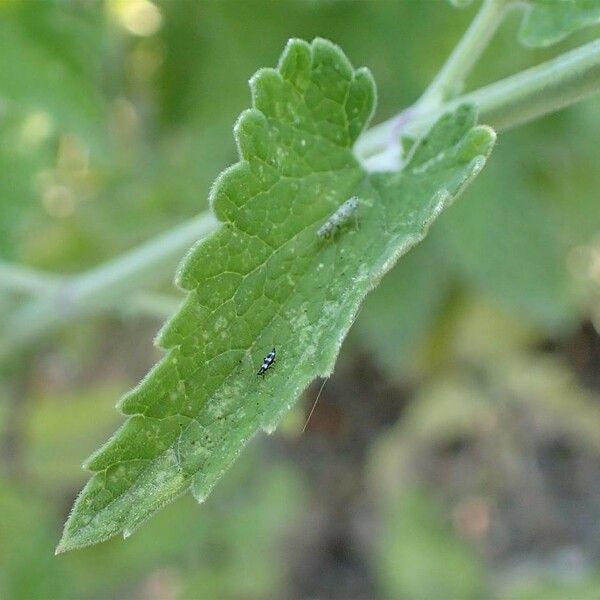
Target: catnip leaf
[{"x": 265, "y": 280}]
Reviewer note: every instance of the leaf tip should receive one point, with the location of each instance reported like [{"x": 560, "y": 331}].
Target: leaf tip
[
  {"x": 200, "y": 498},
  {"x": 294, "y": 63},
  {"x": 327, "y": 53},
  {"x": 478, "y": 142},
  {"x": 262, "y": 85},
  {"x": 487, "y": 132},
  {"x": 361, "y": 103},
  {"x": 60, "y": 549},
  {"x": 365, "y": 73},
  {"x": 294, "y": 44},
  {"x": 269, "y": 428},
  {"x": 251, "y": 137},
  {"x": 320, "y": 43},
  {"x": 66, "y": 542}
]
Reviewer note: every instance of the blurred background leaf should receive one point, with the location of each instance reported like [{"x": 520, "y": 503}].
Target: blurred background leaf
[
  {"x": 421, "y": 557},
  {"x": 548, "y": 22}
]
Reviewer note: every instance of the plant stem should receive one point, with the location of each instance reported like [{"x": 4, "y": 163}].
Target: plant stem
[
  {"x": 448, "y": 83},
  {"x": 450, "y": 80},
  {"x": 518, "y": 99},
  {"x": 540, "y": 90},
  {"x": 153, "y": 305},
  {"x": 506, "y": 103},
  {"x": 104, "y": 286},
  {"x": 146, "y": 263},
  {"x": 19, "y": 280}
]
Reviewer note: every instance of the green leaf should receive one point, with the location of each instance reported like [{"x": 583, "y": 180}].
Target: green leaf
[
  {"x": 49, "y": 68},
  {"x": 546, "y": 22},
  {"x": 549, "y": 21},
  {"x": 266, "y": 279},
  {"x": 501, "y": 245},
  {"x": 20, "y": 156}
]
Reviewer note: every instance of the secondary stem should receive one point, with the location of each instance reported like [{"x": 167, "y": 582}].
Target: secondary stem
[
  {"x": 520, "y": 98},
  {"x": 104, "y": 286},
  {"x": 152, "y": 304},
  {"x": 23, "y": 280},
  {"x": 448, "y": 83},
  {"x": 450, "y": 80},
  {"x": 540, "y": 90}
]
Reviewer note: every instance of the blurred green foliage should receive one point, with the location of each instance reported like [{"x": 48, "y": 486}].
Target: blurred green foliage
[
  {"x": 421, "y": 558},
  {"x": 113, "y": 128}
]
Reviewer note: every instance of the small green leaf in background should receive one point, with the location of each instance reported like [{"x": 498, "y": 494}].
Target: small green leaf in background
[
  {"x": 398, "y": 315},
  {"x": 546, "y": 22},
  {"x": 503, "y": 245},
  {"x": 266, "y": 279},
  {"x": 50, "y": 88},
  {"x": 59, "y": 46},
  {"x": 26, "y": 143},
  {"x": 549, "y": 21}
]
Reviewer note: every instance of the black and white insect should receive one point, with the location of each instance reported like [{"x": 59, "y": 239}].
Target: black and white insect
[
  {"x": 342, "y": 214},
  {"x": 267, "y": 362}
]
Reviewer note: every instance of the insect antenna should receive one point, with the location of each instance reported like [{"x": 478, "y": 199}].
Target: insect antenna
[{"x": 312, "y": 410}]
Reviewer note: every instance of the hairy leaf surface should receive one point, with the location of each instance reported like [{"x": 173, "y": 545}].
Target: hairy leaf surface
[{"x": 266, "y": 279}]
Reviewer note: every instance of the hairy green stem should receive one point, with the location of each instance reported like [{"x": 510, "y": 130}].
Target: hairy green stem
[
  {"x": 513, "y": 101},
  {"x": 450, "y": 80},
  {"x": 105, "y": 286}
]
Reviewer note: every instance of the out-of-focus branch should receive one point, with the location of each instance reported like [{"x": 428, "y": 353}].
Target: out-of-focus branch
[
  {"x": 24, "y": 280},
  {"x": 104, "y": 287}
]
